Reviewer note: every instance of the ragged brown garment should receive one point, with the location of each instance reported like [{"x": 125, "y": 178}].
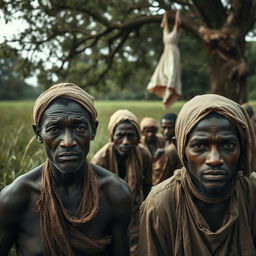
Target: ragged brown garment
[
  {"x": 61, "y": 232},
  {"x": 171, "y": 223},
  {"x": 159, "y": 142},
  {"x": 136, "y": 175},
  {"x": 165, "y": 165}
]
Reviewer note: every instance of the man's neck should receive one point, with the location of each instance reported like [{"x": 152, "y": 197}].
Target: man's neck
[
  {"x": 214, "y": 214},
  {"x": 68, "y": 180},
  {"x": 121, "y": 163}
]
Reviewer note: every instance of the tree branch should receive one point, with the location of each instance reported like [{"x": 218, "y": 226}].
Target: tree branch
[{"x": 212, "y": 12}]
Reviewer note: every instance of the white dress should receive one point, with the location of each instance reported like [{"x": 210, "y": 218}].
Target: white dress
[{"x": 166, "y": 79}]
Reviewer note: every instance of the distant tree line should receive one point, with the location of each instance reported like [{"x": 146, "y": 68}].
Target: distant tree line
[{"x": 132, "y": 87}]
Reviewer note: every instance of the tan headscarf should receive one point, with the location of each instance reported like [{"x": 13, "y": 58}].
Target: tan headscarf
[
  {"x": 65, "y": 90},
  {"x": 200, "y": 106},
  {"x": 61, "y": 232},
  {"x": 119, "y": 116},
  {"x": 148, "y": 122}
]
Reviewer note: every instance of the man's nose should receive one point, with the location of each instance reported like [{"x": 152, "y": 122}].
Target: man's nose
[
  {"x": 214, "y": 157},
  {"x": 68, "y": 139},
  {"x": 126, "y": 140}
]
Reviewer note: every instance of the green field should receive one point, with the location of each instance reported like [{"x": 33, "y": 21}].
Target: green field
[{"x": 19, "y": 150}]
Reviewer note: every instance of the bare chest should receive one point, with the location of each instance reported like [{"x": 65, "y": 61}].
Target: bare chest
[{"x": 29, "y": 240}]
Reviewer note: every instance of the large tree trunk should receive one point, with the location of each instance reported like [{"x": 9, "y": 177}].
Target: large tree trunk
[
  {"x": 228, "y": 77},
  {"x": 227, "y": 66}
]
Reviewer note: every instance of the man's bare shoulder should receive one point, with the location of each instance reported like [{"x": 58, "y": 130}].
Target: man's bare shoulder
[
  {"x": 116, "y": 190},
  {"x": 16, "y": 195}
]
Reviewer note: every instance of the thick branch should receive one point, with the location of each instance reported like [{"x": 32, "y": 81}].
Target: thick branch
[{"x": 213, "y": 13}]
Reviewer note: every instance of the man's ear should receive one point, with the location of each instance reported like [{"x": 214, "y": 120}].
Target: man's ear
[
  {"x": 95, "y": 126},
  {"x": 37, "y": 129}
]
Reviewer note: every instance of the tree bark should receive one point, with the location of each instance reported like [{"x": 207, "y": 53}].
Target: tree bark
[
  {"x": 226, "y": 61},
  {"x": 227, "y": 77}
]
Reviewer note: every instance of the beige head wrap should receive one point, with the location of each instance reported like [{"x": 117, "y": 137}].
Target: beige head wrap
[
  {"x": 119, "y": 116},
  {"x": 148, "y": 122},
  {"x": 65, "y": 90},
  {"x": 200, "y": 106}
]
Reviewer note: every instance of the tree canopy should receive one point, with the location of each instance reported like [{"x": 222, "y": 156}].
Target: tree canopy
[{"x": 103, "y": 42}]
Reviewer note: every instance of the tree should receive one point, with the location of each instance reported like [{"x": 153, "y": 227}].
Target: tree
[
  {"x": 12, "y": 84},
  {"x": 99, "y": 35}
]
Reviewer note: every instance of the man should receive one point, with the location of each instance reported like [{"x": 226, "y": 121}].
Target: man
[
  {"x": 166, "y": 160},
  {"x": 123, "y": 156},
  {"x": 208, "y": 207},
  {"x": 150, "y": 140},
  {"x": 66, "y": 206}
]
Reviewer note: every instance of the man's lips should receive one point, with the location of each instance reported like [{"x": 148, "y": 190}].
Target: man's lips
[
  {"x": 67, "y": 156},
  {"x": 125, "y": 149},
  {"x": 214, "y": 175}
]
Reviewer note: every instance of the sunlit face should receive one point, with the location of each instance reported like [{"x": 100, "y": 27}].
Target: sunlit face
[
  {"x": 125, "y": 138},
  {"x": 150, "y": 134},
  {"x": 66, "y": 131},
  {"x": 212, "y": 155},
  {"x": 167, "y": 129}
]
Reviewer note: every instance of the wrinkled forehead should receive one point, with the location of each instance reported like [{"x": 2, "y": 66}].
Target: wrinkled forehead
[
  {"x": 64, "y": 107},
  {"x": 150, "y": 128},
  {"x": 225, "y": 124},
  {"x": 125, "y": 125},
  {"x": 167, "y": 122}
]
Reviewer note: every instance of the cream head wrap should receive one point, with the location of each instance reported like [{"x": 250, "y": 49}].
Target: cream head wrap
[
  {"x": 199, "y": 107},
  {"x": 120, "y": 116},
  {"x": 148, "y": 122},
  {"x": 65, "y": 90}
]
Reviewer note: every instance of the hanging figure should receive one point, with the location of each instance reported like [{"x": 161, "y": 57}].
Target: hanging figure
[{"x": 166, "y": 80}]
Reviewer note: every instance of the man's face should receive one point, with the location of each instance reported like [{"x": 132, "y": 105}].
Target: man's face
[
  {"x": 125, "y": 138},
  {"x": 66, "y": 131},
  {"x": 212, "y": 155},
  {"x": 150, "y": 134},
  {"x": 167, "y": 129}
]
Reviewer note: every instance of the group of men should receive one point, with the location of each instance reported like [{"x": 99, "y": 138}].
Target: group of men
[{"x": 70, "y": 206}]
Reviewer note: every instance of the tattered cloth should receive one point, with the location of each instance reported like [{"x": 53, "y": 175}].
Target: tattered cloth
[
  {"x": 171, "y": 223},
  {"x": 61, "y": 232},
  {"x": 65, "y": 90}
]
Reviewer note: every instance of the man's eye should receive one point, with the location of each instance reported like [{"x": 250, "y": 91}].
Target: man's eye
[
  {"x": 229, "y": 145},
  {"x": 198, "y": 146},
  {"x": 53, "y": 129},
  {"x": 80, "y": 128}
]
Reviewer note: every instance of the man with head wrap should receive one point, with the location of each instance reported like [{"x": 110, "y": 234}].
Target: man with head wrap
[
  {"x": 123, "y": 156},
  {"x": 166, "y": 159},
  {"x": 208, "y": 207},
  {"x": 66, "y": 206},
  {"x": 150, "y": 140}
]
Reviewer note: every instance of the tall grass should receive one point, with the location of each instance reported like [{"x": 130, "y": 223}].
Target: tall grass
[{"x": 19, "y": 149}]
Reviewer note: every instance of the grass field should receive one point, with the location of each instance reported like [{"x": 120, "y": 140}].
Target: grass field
[{"x": 19, "y": 150}]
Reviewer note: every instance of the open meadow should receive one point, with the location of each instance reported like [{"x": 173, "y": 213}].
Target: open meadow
[{"x": 19, "y": 150}]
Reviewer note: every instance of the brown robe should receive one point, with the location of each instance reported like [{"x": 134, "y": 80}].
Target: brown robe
[
  {"x": 159, "y": 143},
  {"x": 139, "y": 173},
  {"x": 165, "y": 165},
  {"x": 172, "y": 225}
]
